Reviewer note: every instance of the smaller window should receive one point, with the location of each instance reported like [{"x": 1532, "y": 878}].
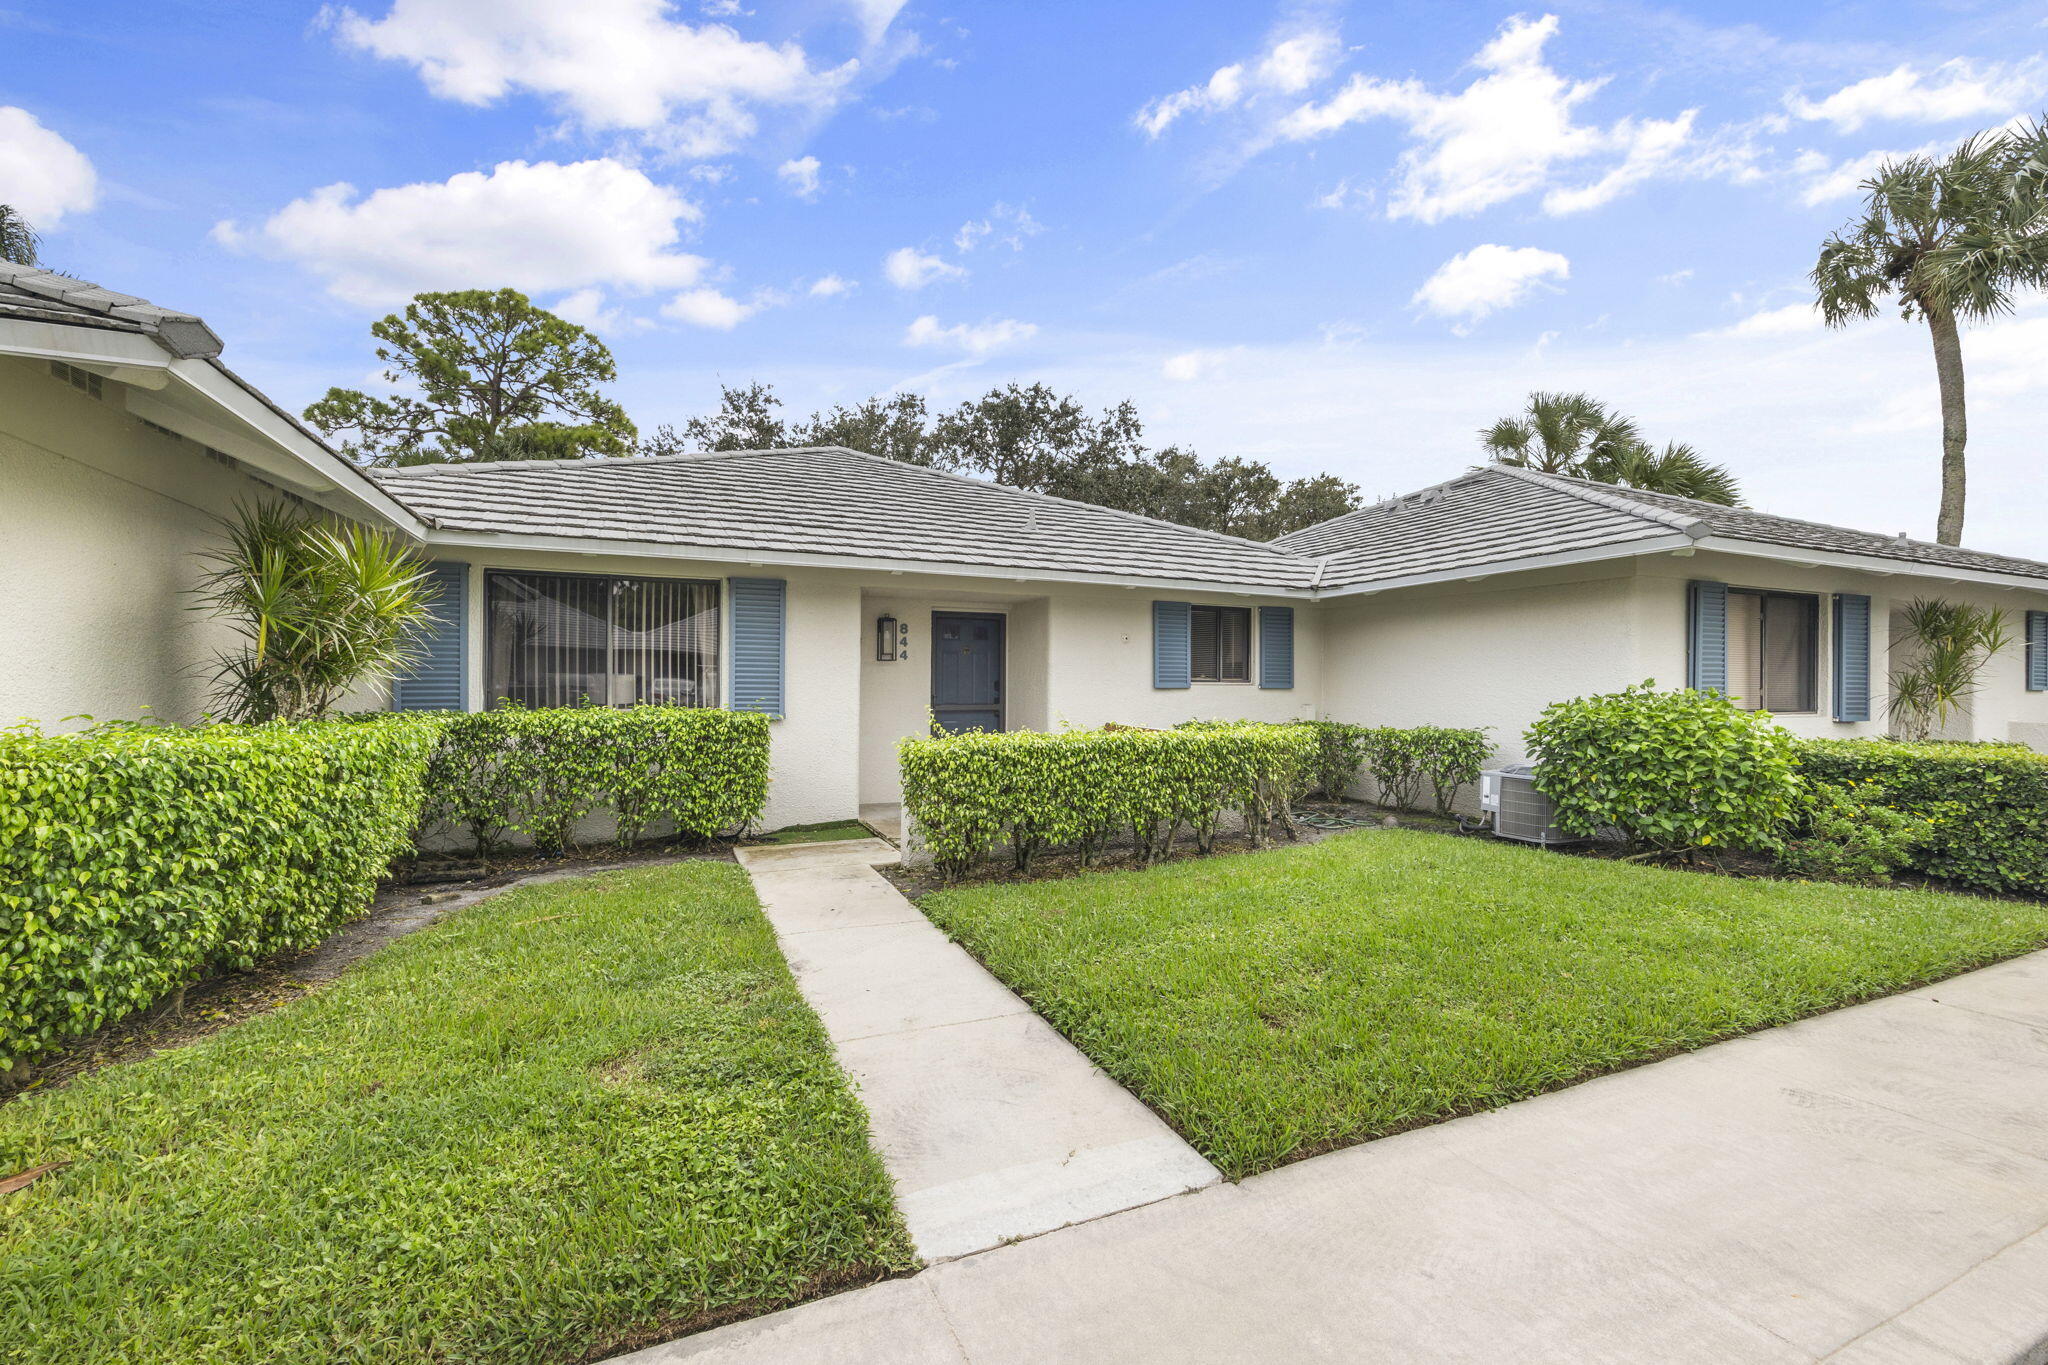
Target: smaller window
[
  {"x": 1220, "y": 644},
  {"x": 1773, "y": 649}
]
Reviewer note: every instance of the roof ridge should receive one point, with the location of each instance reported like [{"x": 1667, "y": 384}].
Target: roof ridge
[
  {"x": 1382, "y": 504},
  {"x": 1071, "y": 502},
  {"x": 578, "y": 462},
  {"x": 1695, "y": 527}
]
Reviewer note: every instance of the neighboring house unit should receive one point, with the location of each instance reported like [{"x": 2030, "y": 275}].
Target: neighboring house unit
[{"x": 859, "y": 600}]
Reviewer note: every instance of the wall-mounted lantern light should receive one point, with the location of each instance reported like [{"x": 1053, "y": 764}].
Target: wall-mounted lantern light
[{"x": 892, "y": 639}]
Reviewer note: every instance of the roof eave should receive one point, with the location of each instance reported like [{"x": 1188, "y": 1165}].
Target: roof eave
[
  {"x": 1881, "y": 565},
  {"x": 203, "y": 401},
  {"x": 454, "y": 539},
  {"x": 1592, "y": 554}
]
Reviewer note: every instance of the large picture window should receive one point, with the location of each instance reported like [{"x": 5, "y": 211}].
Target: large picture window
[
  {"x": 1220, "y": 644},
  {"x": 1773, "y": 648},
  {"x": 585, "y": 639}
]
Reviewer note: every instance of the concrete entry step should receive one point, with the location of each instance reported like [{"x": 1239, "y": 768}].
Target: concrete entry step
[{"x": 993, "y": 1127}]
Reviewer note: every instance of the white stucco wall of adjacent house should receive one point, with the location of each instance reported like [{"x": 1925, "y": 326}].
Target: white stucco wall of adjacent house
[
  {"x": 102, "y": 521},
  {"x": 1495, "y": 651}
]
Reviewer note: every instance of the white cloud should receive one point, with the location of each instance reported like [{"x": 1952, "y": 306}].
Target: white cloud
[
  {"x": 975, "y": 340},
  {"x": 1288, "y": 67},
  {"x": 1794, "y": 319},
  {"x": 1192, "y": 365},
  {"x": 875, "y": 16},
  {"x": 1827, "y": 179},
  {"x": 42, "y": 176},
  {"x": 801, "y": 175},
  {"x": 1956, "y": 89},
  {"x": 829, "y": 287},
  {"x": 1487, "y": 278},
  {"x": 608, "y": 65},
  {"x": 1004, "y": 225},
  {"x": 708, "y": 308},
  {"x": 1344, "y": 195},
  {"x": 538, "y": 227},
  {"x": 1510, "y": 132},
  {"x": 588, "y": 308},
  {"x": 909, "y": 268}
]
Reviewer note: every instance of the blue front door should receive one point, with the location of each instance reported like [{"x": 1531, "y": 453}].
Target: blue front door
[{"x": 967, "y": 671}]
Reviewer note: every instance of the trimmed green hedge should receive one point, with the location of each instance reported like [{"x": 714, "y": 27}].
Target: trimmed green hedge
[
  {"x": 1674, "y": 771},
  {"x": 1400, "y": 760},
  {"x": 1988, "y": 803},
  {"x": 133, "y": 858},
  {"x": 539, "y": 773},
  {"x": 1080, "y": 788}
]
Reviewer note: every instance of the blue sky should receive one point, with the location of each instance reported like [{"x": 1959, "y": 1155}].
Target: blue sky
[{"x": 1331, "y": 237}]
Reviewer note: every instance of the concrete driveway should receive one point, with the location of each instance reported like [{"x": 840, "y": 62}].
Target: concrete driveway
[{"x": 1868, "y": 1186}]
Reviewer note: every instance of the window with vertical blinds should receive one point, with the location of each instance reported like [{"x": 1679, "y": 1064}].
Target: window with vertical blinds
[
  {"x": 586, "y": 639},
  {"x": 1220, "y": 643}
]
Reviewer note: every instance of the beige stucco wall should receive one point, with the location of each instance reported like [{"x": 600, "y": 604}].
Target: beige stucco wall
[
  {"x": 1496, "y": 651},
  {"x": 1101, "y": 664},
  {"x": 1076, "y": 656},
  {"x": 1492, "y": 653},
  {"x": 101, "y": 521},
  {"x": 2002, "y": 709}
]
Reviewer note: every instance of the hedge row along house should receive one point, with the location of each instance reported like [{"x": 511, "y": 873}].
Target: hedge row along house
[{"x": 857, "y": 600}]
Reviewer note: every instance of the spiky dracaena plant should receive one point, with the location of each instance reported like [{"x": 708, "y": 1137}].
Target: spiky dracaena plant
[
  {"x": 1947, "y": 645},
  {"x": 1951, "y": 240},
  {"x": 323, "y": 606}
]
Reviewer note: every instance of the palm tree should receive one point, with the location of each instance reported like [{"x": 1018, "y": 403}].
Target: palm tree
[
  {"x": 1559, "y": 433},
  {"x": 1572, "y": 433},
  {"x": 18, "y": 241},
  {"x": 1951, "y": 240},
  {"x": 1676, "y": 469}
]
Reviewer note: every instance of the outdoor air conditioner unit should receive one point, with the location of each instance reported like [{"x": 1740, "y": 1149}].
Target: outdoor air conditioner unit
[{"x": 1520, "y": 811}]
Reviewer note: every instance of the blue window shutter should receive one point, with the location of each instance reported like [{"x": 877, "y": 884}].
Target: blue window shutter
[
  {"x": 1171, "y": 664},
  {"x": 1276, "y": 647},
  {"x": 758, "y": 618},
  {"x": 440, "y": 681},
  {"x": 1852, "y": 656},
  {"x": 2037, "y": 651},
  {"x": 1706, "y": 656}
]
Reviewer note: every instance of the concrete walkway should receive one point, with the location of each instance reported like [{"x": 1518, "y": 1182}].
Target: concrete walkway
[
  {"x": 1866, "y": 1188},
  {"x": 993, "y": 1127}
]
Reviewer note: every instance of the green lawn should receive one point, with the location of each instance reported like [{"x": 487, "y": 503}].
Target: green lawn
[
  {"x": 1275, "y": 1005},
  {"x": 574, "y": 1117}
]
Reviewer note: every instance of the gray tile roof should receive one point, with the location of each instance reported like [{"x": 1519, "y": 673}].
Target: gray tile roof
[
  {"x": 830, "y": 501},
  {"x": 1469, "y": 523},
  {"x": 1498, "y": 514},
  {"x": 1742, "y": 523},
  {"x": 46, "y": 296}
]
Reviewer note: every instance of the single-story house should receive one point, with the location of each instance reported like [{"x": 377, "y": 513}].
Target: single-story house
[{"x": 859, "y": 600}]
